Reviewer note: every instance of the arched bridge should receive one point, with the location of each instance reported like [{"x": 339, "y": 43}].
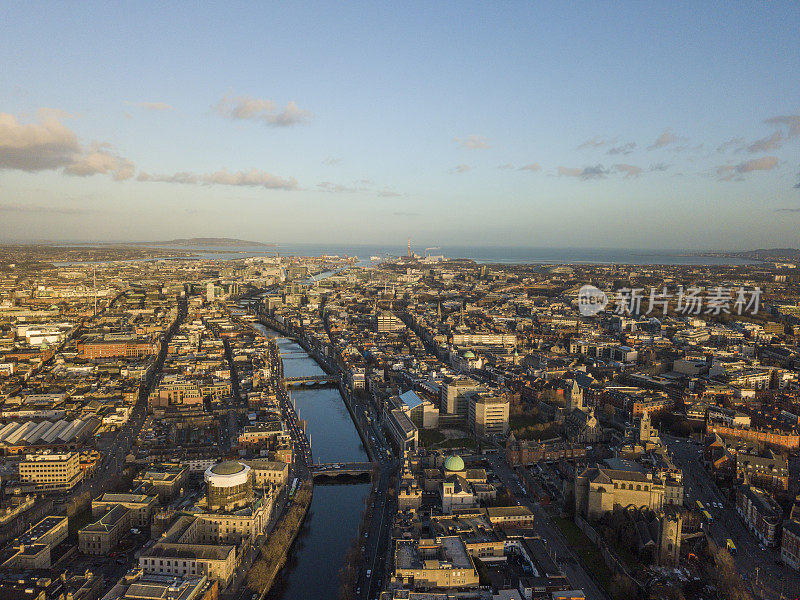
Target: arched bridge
[
  {"x": 310, "y": 381},
  {"x": 336, "y": 469}
]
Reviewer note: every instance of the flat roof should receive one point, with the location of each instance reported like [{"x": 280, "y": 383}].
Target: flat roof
[
  {"x": 201, "y": 551},
  {"x": 41, "y": 528}
]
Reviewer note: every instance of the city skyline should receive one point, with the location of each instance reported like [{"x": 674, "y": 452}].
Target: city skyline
[{"x": 656, "y": 127}]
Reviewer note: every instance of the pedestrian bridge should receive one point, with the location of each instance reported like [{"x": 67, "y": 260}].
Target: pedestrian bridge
[
  {"x": 341, "y": 469},
  {"x": 310, "y": 381}
]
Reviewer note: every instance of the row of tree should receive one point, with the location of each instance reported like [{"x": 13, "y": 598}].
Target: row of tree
[{"x": 273, "y": 551}]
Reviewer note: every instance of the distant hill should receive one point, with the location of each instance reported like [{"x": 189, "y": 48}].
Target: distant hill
[
  {"x": 202, "y": 241},
  {"x": 763, "y": 254}
]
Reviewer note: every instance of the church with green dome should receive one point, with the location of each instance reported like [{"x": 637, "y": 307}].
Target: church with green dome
[{"x": 453, "y": 464}]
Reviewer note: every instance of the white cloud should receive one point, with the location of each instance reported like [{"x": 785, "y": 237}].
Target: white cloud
[
  {"x": 533, "y": 167},
  {"x": 729, "y": 172},
  {"x": 505, "y": 166},
  {"x": 791, "y": 122},
  {"x": 46, "y": 144},
  {"x": 631, "y": 171},
  {"x": 156, "y": 106},
  {"x": 338, "y": 188},
  {"x": 100, "y": 160},
  {"x": 786, "y": 127},
  {"x": 460, "y": 169},
  {"x": 771, "y": 142},
  {"x": 266, "y": 111},
  {"x": 251, "y": 178},
  {"x": 623, "y": 149},
  {"x": 596, "y": 142},
  {"x": 595, "y": 172},
  {"x": 736, "y": 142},
  {"x": 665, "y": 139},
  {"x": 473, "y": 142},
  {"x": 182, "y": 177}
]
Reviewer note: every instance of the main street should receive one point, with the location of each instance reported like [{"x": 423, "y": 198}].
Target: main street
[
  {"x": 755, "y": 564},
  {"x": 114, "y": 447}
]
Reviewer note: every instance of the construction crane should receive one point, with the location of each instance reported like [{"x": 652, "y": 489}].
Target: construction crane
[{"x": 432, "y": 248}]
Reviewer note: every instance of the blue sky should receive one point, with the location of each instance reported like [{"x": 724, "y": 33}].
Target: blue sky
[{"x": 642, "y": 125}]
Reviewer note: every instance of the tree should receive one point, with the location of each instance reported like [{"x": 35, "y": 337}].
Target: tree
[{"x": 258, "y": 576}]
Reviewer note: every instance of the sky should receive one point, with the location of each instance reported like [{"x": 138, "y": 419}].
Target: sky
[{"x": 664, "y": 125}]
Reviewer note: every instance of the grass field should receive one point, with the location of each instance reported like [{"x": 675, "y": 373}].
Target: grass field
[
  {"x": 586, "y": 550},
  {"x": 458, "y": 443},
  {"x": 429, "y": 437}
]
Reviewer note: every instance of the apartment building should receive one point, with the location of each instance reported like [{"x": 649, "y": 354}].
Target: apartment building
[
  {"x": 772, "y": 437},
  {"x": 790, "y": 544},
  {"x": 768, "y": 470},
  {"x": 111, "y": 346},
  {"x": 760, "y": 512}
]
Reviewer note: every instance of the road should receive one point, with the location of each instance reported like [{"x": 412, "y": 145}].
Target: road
[
  {"x": 114, "y": 447},
  {"x": 550, "y": 533},
  {"x": 754, "y": 564}
]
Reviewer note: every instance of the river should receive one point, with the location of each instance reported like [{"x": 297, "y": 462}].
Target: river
[{"x": 335, "y": 514}]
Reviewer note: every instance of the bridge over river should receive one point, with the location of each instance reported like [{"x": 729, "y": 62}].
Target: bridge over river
[
  {"x": 336, "y": 469},
  {"x": 310, "y": 381}
]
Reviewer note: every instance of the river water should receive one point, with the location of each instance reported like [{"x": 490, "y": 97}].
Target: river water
[{"x": 335, "y": 514}]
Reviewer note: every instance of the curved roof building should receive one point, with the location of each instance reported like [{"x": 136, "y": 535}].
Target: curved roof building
[{"x": 229, "y": 485}]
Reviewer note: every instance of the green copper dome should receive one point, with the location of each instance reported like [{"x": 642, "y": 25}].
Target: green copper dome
[
  {"x": 454, "y": 464},
  {"x": 469, "y": 354}
]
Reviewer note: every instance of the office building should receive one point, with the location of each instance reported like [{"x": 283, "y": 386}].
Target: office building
[
  {"x": 430, "y": 564},
  {"x": 103, "y": 536},
  {"x": 50, "y": 472},
  {"x": 487, "y": 414}
]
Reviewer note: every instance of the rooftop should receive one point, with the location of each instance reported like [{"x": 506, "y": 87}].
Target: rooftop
[{"x": 229, "y": 467}]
